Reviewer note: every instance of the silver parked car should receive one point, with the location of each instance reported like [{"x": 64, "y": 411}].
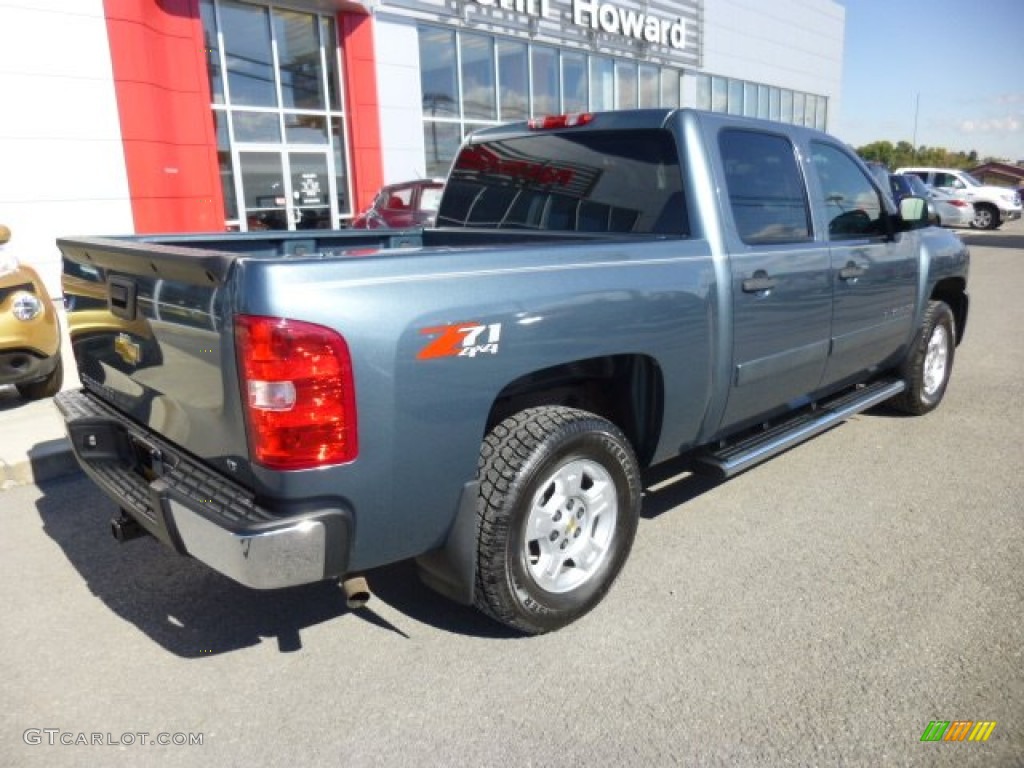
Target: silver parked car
[{"x": 951, "y": 211}]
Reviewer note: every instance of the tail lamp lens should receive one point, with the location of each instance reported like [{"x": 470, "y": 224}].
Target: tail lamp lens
[{"x": 299, "y": 392}]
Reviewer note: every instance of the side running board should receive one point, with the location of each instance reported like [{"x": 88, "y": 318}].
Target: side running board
[{"x": 737, "y": 457}]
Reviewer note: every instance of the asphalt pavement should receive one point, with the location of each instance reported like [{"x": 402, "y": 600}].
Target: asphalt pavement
[{"x": 819, "y": 610}]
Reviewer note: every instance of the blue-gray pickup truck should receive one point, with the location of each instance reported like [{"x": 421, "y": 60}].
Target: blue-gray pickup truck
[{"x": 602, "y": 293}]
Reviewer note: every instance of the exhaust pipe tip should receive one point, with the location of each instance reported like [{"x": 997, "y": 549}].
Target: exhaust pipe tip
[{"x": 357, "y": 592}]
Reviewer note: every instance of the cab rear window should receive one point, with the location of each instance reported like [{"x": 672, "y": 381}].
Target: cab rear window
[{"x": 616, "y": 181}]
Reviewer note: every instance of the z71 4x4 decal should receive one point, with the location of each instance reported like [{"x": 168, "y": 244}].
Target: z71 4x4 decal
[{"x": 461, "y": 340}]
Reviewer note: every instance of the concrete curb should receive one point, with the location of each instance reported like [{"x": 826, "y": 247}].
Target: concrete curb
[{"x": 45, "y": 461}]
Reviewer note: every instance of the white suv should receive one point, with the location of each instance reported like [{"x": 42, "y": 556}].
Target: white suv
[{"x": 992, "y": 205}]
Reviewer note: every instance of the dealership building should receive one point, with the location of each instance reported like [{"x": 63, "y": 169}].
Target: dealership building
[{"x": 122, "y": 116}]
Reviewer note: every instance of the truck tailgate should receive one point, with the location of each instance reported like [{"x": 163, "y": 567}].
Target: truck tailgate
[{"x": 151, "y": 332}]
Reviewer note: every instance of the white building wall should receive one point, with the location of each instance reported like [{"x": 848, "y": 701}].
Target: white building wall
[
  {"x": 62, "y": 168},
  {"x": 398, "y": 85},
  {"x": 794, "y": 44}
]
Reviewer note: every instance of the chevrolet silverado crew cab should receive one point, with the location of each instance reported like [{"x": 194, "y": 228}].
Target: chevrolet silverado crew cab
[
  {"x": 992, "y": 205},
  {"x": 601, "y": 293}
]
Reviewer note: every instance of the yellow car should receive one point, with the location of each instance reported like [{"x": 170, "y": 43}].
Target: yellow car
[{"x": 29, "y": 330}]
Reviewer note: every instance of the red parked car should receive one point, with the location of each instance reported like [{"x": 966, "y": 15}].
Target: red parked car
[{"x": 398, "y": 206}]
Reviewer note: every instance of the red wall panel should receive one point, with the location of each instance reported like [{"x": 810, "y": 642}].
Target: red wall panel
[
  {"x": 363, "y": 109},
  {"x": 163, "y": 99}
]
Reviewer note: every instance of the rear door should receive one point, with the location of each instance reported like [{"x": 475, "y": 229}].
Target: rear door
[
  {"x": 781, "y": 289},
  {"x": 873, "y": 271}
]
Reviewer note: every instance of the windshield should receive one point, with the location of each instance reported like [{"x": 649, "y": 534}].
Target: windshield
[{"x": 970, "y": 180}]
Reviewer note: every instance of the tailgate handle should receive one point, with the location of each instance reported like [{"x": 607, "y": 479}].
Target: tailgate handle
[{"x": 121, "y": 297}]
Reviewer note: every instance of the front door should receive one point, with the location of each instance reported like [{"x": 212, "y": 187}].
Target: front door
[
  {"x": 874, "y": 271},
  {"x": 287, "y": 189},
  {"x": 781, "y": 297}
]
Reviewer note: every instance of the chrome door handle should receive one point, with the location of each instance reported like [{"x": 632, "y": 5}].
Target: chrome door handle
[
  {"x": 851, "y": 272},
  {"x": 759, "y": 283}
]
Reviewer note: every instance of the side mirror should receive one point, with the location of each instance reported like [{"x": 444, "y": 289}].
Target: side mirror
[{"x": 914, "y": 212}]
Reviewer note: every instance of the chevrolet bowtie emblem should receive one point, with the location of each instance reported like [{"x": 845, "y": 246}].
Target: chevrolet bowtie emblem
[{"x": 127, "y": 349}]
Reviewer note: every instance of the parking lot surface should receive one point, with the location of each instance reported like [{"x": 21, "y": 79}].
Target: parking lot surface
[{"x": 822, "y": 609}]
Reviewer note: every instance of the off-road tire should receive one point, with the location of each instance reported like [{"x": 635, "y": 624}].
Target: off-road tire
[
  {"x": 571, "y": 464},
  {"x": 929, "y": 362}
]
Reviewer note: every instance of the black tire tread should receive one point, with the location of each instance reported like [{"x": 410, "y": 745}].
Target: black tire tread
[
  {"x": 912, "y": 369},
  {"x": 46, "y": 387},
  {"x": 504, "y": 453}
]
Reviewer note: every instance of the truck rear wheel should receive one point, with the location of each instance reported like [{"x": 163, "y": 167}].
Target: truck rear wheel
[
  {"x": 559, "y": 502},
  {"x": 929, "y": 362}
]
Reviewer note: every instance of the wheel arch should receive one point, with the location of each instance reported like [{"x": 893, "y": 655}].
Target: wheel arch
[
  {"x": 628, "y": 390},
  {"x": 953, "y": 291}
]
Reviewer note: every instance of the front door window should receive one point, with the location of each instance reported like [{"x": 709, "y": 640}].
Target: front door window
[{"x": 274, "y": 80}]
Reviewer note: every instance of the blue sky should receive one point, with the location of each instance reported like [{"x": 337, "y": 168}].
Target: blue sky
[{"x": 961, "y": 60}]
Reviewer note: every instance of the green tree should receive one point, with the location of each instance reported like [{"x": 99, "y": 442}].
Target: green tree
[{"x": 903, "y": 154}]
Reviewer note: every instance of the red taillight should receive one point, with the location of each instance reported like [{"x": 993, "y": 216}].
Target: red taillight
[
  {"x": 559, "y": 121},
  {"x": 956, "y": 203},
  {"x": 298, "y": 391}
]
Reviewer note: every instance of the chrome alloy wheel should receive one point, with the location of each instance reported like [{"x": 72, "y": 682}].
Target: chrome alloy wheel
[
  {"x": 570, "y": 525},
  {"x": 935, "y": 361}
]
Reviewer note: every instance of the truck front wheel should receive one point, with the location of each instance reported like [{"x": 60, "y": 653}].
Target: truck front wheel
[
  {"x": 929, "y": 362},
  {"x": 560, "y": 497}
]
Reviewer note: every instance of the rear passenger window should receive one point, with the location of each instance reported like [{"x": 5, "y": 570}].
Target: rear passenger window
[
  {"x": 766, "y": 191},
  {"x": 853, "y": 205}
]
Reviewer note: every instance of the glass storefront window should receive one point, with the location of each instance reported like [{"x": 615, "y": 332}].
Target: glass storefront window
[
  {"x": 513, "y": 80},
  {"x": 263, "y": 190},
  {"x": 257, "y": 127},
  {"x": 670, "y": 88},
  {"x": 574, "y": 82},
  {"x": 496, "y": 80},
  {"x": 247, "y": 50},
  {"x": 340, "y": 166},
  {"x": 478, "y": 91},
  {"x": 735, "y": 97},
  {"x": 212, "y": 51},
  {"x": 786, "y": 112},
  {"x": 437, "y": 72},
  {"x": 625, "y": 85},
  {"x": 750, "y": 100},
  {"x": 798, "y": 108},
  {"x": 310, "y": 190},
  {"x": 298, "y": 57},
  {"x": 329, "y": 41},
  {"x": 703, "y": 92},
  {"x": 546, "y": 97},
  {"x": 225, "y": 163},
  {"x": 306, "y": 129},
  {"x": 650, "y": 90},
  {"x": 441, "y": 141},
  {"x": 277, "y": 103},
  {"x": 602, "y": 84},
  {"x": 719, "y": 94}
]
